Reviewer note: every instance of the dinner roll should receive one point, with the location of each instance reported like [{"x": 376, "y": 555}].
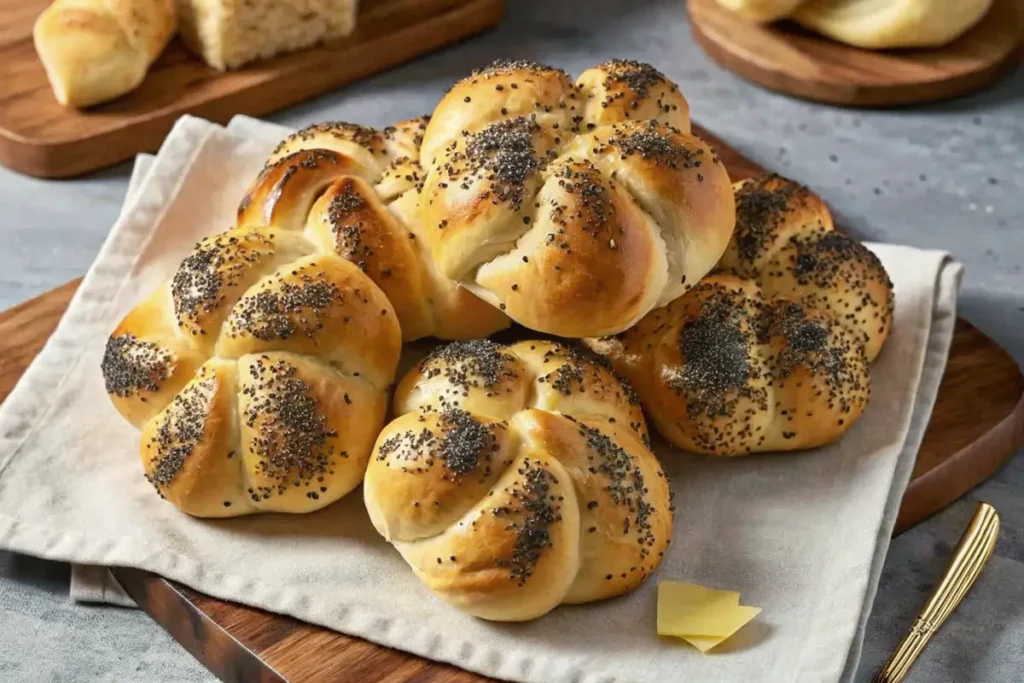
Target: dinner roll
[
  {"x": 575, "y": 208},
  {"x": 96, "y": 50},
  {"x": 889, "y": 24},
  {"x": 762, "y": 10},
  {"x": 258, "y": 375},
  {"x": 786, "y": 242},
  {"x": 772, "y": 351},
  {"x": 517, "y": 478},
  {"x": 353, "y": 191}
]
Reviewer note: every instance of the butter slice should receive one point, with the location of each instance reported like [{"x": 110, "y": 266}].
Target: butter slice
[{"x": 703, "y": 617}]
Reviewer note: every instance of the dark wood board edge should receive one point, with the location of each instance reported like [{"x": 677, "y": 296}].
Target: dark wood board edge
[
  {"x": 214, "y": 647},
  {"x": 26, "y": 327},
  {"x": 67, "y": 158},
  {"x": 716, "y": 44},
  {"x": 927, "y": 494},
  {"x": 160, "y": 597}
]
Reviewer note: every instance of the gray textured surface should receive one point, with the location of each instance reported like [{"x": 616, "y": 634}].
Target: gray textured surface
[{"x": 944, "y": 176}]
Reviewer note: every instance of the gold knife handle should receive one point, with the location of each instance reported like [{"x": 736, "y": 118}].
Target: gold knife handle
[{"x": 970, "y": 556}]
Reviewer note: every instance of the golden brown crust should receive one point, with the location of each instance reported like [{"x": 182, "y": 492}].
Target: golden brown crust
[
  {"x": 274, "y": 432},
  {"x": 574, "y": 208},
  {"x": 189, "y": 450},
  {"x": 258, "y": 375},
  {"x": 418, "y": 506},
  {"x": 769, "y": 208},
  {"x": 677, "y": 180},
  {"x": 306, "y": 430},
  {"x": 404, "y": 172},
  {"x": 303, "y": 305},
  {"x": 284, "y": 192},
  {"x": 455, "y": 312},
  {"x": 219, "y": 270},
  {"x": 352, "y": 190},
  {"x": 501, "y": 91},
  {"x": 486, "y": 179},
  {"x": 390, "y": 155},
  {"x": 772, "y": 352},
  {"x": 145, "y": 362},
  {"x": 515, "y": 551},
  {"x": 590, "y": 220},
  {"x": 625, "y": 90},
  {"x": 364, "y": 144},
  {"x": 517, "y": 478},
  {"x": 617, "y": 551},
  {"x": 352, "y": 222},
  {"x": 733, "y": 372},
  {"x": 786, "y": 242},
  {"x": 289, "y": 299}
]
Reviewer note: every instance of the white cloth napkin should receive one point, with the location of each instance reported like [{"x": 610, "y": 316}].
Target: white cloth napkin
[
  {"x": 94, "y": 583},
  {"x": 801, "y": 535}
]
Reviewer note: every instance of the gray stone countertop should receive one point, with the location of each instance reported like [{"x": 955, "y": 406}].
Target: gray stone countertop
[{"x": 946, "y": 176}]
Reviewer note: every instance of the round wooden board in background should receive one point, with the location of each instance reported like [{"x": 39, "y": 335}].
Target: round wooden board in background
[{"x": 786, "y": 58}]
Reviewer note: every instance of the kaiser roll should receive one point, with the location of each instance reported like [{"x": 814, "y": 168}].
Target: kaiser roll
[
  {"x": 258, "y": 374},
  {"x": 518, "y": 478},
  {"x": 576, "y": 208},
  {"x": 353, "y": 191},
  {"x": 772, "y": 351}
]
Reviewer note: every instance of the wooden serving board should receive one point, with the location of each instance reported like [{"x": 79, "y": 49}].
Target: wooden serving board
[
  {"x": 784, "y": 57},
  {"x": 40, "y": 137},
  {"x": 977, "y": 424}
]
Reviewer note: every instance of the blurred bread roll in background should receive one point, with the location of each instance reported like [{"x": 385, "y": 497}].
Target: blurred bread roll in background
[
  {"x": 761, "y": 10},
  {"x": 883, "y": 24},
  {"x": 96, "y": 50},
  {"x": 872, "y": 24}
]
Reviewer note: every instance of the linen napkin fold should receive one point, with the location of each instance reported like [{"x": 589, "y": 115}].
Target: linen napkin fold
[
  {"x": 93, "y": 583},
  {"x": 800, "y": 535}
]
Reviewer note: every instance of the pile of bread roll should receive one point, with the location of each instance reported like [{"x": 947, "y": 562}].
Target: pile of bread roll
[
  {"x": 96, "y": 50},
  {"x": 511, "y": 478},
  {"x": 873, "y": 24}
]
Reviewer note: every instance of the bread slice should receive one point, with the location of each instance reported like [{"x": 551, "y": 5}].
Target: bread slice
[{"x": 230, "y": 33}]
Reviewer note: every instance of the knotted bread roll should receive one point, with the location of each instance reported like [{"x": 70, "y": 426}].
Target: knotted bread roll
[
  {"x": 518, "y": 478},
  {"x": 353, "y": 191},
  {"x": 771, "y": 352},
  {"x": 258, "y": 374},
  {"x": 575, "y": 208}
]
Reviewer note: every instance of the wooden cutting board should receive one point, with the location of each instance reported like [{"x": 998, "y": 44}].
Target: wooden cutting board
[
  {"x": 977, "y": 424},
  {"x": 40, "y": 137},
  {"x": 784, "y": 57}
]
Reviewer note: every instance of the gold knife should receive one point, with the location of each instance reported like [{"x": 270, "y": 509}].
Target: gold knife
[{"x": 970, "y": 556}]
